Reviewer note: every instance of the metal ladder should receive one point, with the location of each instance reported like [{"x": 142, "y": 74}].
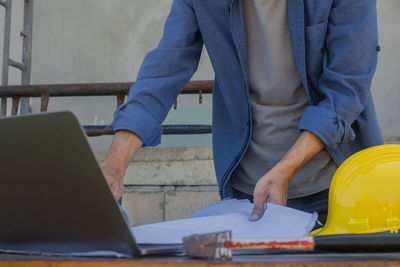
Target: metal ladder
[{"x": 26, "y": 66}]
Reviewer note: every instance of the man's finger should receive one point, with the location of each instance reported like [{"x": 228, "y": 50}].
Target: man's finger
[{"x": 258, "y": 210}]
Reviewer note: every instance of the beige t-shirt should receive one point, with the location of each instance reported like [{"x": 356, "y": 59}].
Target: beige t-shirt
[{"x": 278, "y": 100}]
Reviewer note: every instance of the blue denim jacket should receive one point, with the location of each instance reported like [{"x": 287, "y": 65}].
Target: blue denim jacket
[{"x": 335, "y": 44}]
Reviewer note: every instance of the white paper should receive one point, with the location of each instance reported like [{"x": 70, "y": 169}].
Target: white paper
[
  {"x": 232, "y": 215},
  {"x": 108, "y": 254},
  {"x": 277, "y": 222}
]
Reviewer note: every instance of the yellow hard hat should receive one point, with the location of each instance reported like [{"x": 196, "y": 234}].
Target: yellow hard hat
[{"x": 364, "y": 196}]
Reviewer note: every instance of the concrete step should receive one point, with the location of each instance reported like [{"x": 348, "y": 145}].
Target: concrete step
[
  {"x": 168, "y": 183},
  {"x": 155, "y": 204}
]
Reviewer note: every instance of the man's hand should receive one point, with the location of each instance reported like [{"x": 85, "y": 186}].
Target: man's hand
[
  {"x": 273, "y": 186},
  {"x": 114, "y": 179},
  {"x": 124, "y": 147}
]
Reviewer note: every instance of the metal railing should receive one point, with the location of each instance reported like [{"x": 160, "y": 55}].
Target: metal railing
[
  {"x": 120, "y": 90},
  {"x": 25, "y": 65},
  {"x": 20, "y": 94}
]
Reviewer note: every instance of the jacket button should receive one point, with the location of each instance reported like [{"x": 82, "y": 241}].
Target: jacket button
[{"x": 378, "y": 48}]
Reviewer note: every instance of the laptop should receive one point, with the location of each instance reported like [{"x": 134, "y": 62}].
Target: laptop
[{"x": 54, "y": 197}]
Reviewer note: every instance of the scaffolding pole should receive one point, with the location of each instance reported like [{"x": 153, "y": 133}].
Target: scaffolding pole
[
  {"x": 27, "y": 53},
  {"x": 6, "y": 51}
]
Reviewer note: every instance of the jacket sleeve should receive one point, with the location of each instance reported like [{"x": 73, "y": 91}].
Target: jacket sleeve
[
  {"x": 163, "y": 74},
  {"x": 350, "y": 61}
]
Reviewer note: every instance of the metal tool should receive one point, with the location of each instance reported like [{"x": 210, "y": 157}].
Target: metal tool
[{"x": 219, "y": 246}]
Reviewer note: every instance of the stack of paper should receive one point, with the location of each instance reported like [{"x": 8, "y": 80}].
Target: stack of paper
[{"x": 232, "y": 215}]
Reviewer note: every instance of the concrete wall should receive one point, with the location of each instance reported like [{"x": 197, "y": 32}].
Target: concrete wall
[{"x": 386, "y": 86}]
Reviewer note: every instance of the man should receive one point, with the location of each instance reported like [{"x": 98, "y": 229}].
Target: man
[{"x": 291, "y": 98}]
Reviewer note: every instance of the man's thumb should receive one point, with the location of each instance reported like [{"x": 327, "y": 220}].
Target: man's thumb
[{"x": 258, "y": 210}]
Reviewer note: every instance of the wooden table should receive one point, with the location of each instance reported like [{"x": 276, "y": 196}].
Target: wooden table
[{"x": 275, "y": 259}]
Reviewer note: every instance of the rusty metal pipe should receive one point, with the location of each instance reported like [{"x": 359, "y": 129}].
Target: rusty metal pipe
[
  {"x": 100, "y": 130},
  {"x": 44, "y": 102},
  {"x": 120, "y": 100},
  {"x": 90, "y": 89},
  {"x": 392, "y": 139},
  {"x": 15, "y": 105}
]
